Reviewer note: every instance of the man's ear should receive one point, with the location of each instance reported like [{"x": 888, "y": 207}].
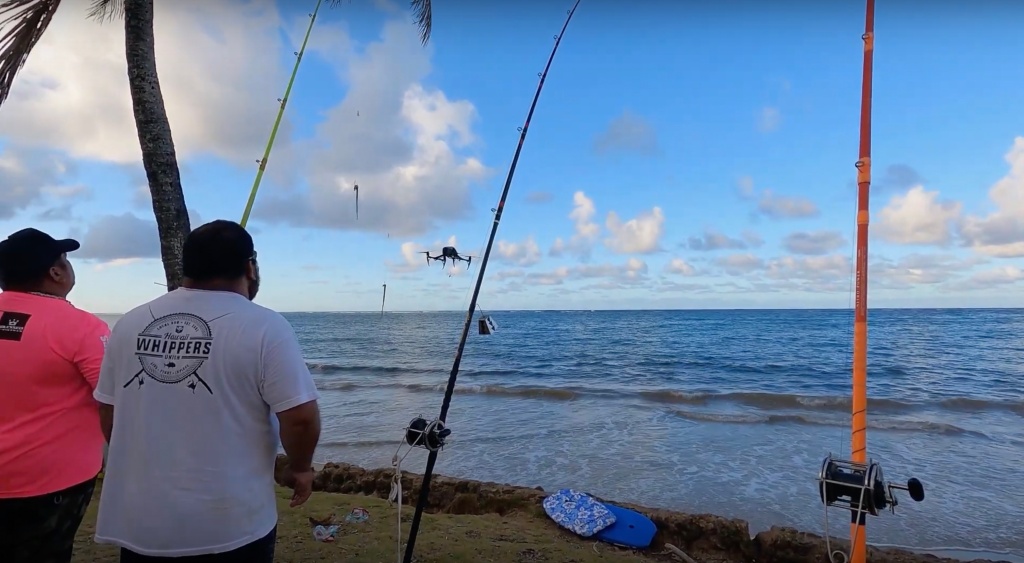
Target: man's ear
[
  {"x": 58, "y": 270},
  {"x": 252, "y": 271}
]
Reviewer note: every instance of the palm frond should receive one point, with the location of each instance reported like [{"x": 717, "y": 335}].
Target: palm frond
[
  {"x": 421, "y": 11},
  {"x": 24, "y": 22},
  {"x": 106, "y": 10}
]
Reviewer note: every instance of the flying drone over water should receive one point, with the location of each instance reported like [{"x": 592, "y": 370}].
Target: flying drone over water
[{"x": 449, "y": 253}]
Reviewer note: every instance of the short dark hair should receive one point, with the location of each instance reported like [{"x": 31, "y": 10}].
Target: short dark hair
[
  {"x": 27, "y": 255},
  {"x": 218, "y": 250}
]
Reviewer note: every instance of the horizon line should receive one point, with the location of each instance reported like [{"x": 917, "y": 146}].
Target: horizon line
[{"x": 589, "y": 310}]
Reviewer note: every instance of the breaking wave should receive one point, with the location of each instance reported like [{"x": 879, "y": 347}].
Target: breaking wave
[
  {"x": 899, "y": 425},
  {"x": 759, "y": 400}
]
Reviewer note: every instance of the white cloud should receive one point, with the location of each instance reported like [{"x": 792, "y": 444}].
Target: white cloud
[
  {"x": 713, "y": 240},
  {"x": 753, "y": 239},
  {"x": 918, "y": 269},
  {"x": 29, "y": 177},
  {"x": 639, "y": 235},
  {"x": 393, "y": 137},
  {"x": 116, "y": 263},
  {"x": 628, "y": 132},
  {"x": 217, "y": 84},
  {"x": 745, "y": 187},
  {"x": 120, "y": 237},
  {"x": 681, "y": 267},
  {"x": 1001, "y": 233},
  {"x": 813, "y": 243},
  {"x": 739, "y": 264},
  {"x": 769, "y": 119},
  {"x": 539, "y": 197},
  {"x": 413, "y": 257},
  {"x": 813, "y": 268},
  {"x": 586, "y": 230},
  {"x": 785, "y": 207},
  {"x": 917, "y": 217},
  {"x": 996, "y": 277},
  {"x": 221, "y": 72},
  {"x": 526, "y": 253},
  {"x": 633, "y": 271}
]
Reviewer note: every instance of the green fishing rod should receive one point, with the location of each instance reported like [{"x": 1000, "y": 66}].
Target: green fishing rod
[{"x": 280, "y": 115}]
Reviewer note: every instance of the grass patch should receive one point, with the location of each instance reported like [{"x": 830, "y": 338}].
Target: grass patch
[{"x": 518, "y": 536}]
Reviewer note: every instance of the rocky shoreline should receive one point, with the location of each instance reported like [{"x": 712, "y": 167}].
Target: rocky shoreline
[{"x": 705, "y": 537}]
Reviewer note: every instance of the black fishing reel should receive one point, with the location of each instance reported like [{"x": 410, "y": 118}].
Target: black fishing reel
[
  {"x": 860, "y": 487},
  {"x": 427, "y": 435}
]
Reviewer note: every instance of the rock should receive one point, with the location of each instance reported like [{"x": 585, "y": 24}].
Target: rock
[{"x": 705, "y": 537}]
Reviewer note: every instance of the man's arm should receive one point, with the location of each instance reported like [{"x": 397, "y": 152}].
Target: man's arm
[
  {"x": 288, "y": 388},
  {"x": 106, "y": 386},
  {"x": 300, "y": 432},
  {"x": 106, "y": 420},
  {"x": 88, "y": 355}
]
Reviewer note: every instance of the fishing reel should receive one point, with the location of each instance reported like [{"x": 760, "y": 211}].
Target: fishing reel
[
  {"x": 860, "y": 487},
  {"x": 427, "y": 435}
]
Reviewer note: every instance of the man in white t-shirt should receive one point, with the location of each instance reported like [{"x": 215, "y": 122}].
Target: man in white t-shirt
[{"x": 190, "y": 388}]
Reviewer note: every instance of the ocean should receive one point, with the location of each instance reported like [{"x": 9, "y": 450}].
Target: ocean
[{"x": 722, "y": 412}]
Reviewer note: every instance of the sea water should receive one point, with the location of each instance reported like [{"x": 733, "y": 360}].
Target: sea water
[{"x": 723, "y": 412}]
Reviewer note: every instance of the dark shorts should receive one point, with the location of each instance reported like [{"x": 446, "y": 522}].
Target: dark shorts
[
  {"x": 42, "y": 529},
  {"x": 259, "y": 551}
]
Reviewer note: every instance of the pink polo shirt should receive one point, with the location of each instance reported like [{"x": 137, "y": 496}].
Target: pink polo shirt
[{"x": 50, "y": 356}]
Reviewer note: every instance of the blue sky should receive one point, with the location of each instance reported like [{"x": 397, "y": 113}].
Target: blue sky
[{"x": 682, "y": 156}]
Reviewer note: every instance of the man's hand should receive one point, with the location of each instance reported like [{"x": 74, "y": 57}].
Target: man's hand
[{"x": 300, "y": 482}]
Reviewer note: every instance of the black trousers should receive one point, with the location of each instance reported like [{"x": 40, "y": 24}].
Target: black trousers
[
  {"x": 259, "y": 551},
  {"x": 42, "y": 529}
]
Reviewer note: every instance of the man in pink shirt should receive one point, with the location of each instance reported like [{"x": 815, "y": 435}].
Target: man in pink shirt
[{"x": 51, "y": 444}]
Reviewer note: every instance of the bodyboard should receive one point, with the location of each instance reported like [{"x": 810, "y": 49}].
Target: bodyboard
[
  {"x": 631, "y": 529},
  {"x": 578, "y": 512}
]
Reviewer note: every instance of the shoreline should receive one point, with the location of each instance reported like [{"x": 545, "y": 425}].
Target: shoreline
[{"x": 705, "y": 537}]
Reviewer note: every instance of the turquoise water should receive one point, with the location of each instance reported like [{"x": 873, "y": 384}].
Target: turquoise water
[{"x": 725, "y": 412}]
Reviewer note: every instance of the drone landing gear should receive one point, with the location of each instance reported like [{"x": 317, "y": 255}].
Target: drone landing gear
[{"x": 860, "y": 489}]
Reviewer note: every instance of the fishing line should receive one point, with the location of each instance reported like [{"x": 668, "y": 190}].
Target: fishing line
[
  {"x": 280, "y": 114},
  {"x": 432, "y": 435}
]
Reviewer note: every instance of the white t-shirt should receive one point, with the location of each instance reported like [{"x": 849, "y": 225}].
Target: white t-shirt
[{"x": 195, "y": 378}]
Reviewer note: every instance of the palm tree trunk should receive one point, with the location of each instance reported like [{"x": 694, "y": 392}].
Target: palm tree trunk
[{"x": 158, "y": 156}]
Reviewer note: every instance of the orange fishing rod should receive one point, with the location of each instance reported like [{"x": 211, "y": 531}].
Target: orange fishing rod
[
  {"x": 857, "y": 484},
  {"x": 858, "y": 431}
]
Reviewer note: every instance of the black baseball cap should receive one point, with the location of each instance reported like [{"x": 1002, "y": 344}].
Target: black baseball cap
[
  {"x": 28, "y": 253},
  {"x": 219, "y": 249}
]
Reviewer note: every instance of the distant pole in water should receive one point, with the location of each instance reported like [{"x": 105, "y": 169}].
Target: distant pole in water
[
  {"x": 421, "y": 503},
  {"x": 858, "y": 431},
  {"x": 356, "y": 189},
  {"x": 280, "y": 114},
  {"x": 383, "y": 299}
]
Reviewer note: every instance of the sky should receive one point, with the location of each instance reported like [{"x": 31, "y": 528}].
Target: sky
[{"x": 695, "y": 154}]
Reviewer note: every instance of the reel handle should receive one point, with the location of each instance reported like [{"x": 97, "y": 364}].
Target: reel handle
[{"x": 914, "y": 487}]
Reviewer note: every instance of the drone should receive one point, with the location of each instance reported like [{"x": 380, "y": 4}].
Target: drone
[{"x": 448, "y": 253}]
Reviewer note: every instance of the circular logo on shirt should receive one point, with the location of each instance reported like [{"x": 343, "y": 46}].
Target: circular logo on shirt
[{"x": 173, "y": 348}]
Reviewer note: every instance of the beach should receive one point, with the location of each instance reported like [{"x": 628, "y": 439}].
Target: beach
[
  {"x": 707, "y": 412},
  {"x": 471, "y": 521}
]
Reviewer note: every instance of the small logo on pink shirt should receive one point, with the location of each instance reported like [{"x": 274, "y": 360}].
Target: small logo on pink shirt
[{"x": 12, "y": 325}]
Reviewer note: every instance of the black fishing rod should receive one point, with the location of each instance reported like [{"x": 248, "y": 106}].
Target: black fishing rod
[{"x": 450, "y": 389}]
